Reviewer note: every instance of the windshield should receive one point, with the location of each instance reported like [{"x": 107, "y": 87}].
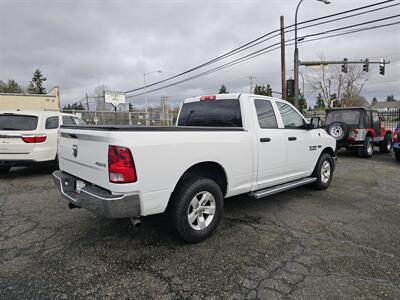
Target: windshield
[
  {"x": 344, "y": 116},
  {"x": 18, "y": 122},
  {"x": 213, "y": 113}
]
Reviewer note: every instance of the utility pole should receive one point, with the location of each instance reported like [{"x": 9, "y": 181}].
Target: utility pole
[
  {"x": 87, "y": 102},
  {"x": 283, "y": 59},
  {"x": 251, "y": 83}
]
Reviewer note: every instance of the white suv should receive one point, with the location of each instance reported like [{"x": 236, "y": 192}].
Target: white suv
[{"x": 30, "y": 137}]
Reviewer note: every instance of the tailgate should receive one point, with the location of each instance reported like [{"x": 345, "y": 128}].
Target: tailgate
[
  {"x": 84, "y": 154},
  {"x": 12, "y": 128}
]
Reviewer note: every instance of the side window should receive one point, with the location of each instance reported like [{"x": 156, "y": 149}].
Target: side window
[
  {"x": 67, "y": 120},
  {"x": 291, "y": 118},
  {"x": 52, "y": 122},
  {"x": 375, "y": 117},
  {"x": 265, "y": 114}
]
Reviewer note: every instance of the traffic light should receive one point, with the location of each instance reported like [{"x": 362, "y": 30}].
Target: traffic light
[
  {"x": 344, "y": 66},
  {"x": 366, "y": 65},
  {"x": 290, "y": 88},
  {"x": 130, "y": 107},
  {"x": 382, "y": 67}
]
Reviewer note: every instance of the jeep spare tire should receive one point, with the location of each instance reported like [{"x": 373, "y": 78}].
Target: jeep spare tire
[{"x": 337, "y": 130}]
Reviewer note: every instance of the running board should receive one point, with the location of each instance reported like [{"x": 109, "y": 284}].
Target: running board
[{"x": 283, "y": 187}]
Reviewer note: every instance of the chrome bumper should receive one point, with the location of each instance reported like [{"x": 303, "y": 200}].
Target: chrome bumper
[{"x": 96, "y": 199}]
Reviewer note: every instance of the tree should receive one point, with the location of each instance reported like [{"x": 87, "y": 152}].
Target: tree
[
  {"x": 36, "y": 84},
  {"x": 374, "y": 101},
  {"x": 10, "y": 87},
  {"x": 74, "y": 106},
  {"x": 329, "y": 80},
  {"x": 263, "y": 90},
  {"x": 390, "y": 98},
  {"x": 355, "y": 99},
  {"x": 223, "y": 90}
]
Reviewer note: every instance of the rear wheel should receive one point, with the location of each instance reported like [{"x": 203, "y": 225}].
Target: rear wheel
[
  {"x": 387, "y": 144},
  {"x": 196, "y": 209},
  {"x": 323, "y": 172},
  {"x": 4, "y": 170},
  {"x": 367, "y": 150}
]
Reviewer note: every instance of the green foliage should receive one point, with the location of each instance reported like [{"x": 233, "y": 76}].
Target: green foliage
[
  {"x": 74, "y": 106},
  {"x": 10, "y": 87},
  {"x": 223, "y": 90},
  {"x": 36, "y": 84},
  {"x": 263, "y": 90}
]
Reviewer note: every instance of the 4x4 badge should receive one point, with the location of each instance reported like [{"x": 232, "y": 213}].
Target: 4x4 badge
[{"x": 75, "y": 150}]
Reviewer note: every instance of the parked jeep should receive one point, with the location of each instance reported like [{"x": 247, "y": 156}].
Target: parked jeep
[
  {"x": 396, "y": 143},
  {"x": 358, "y": 129}
]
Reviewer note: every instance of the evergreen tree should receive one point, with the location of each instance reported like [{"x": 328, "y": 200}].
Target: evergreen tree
[
  {"x": 268, "y": 90},
  {"x": 223, "y": 90},
  {"x": 36, "y": 84},
  {"x": 10, "y": 87},
  {"x": 74, "y": 106},
  {"x": 320, "y": 102},
  {"x": 374, "y": 101},
  {"x": 390, "y": 98}
]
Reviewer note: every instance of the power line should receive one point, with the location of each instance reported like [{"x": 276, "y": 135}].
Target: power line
[
  {"x": 247, "y": 45},
  {"x": 271, "y": 48}
]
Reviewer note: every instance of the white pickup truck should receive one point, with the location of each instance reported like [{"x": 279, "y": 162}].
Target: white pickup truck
[{"x": 222, "y": 146}]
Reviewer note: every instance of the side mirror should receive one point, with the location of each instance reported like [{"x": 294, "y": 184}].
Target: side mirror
[{"x": 315, "y": 123}]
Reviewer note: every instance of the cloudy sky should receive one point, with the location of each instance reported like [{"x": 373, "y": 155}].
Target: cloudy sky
[{"x": 79, "y": 45}]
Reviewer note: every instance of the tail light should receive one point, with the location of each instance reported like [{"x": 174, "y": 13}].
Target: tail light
[
  {"x": 31, "y": 139},
  {"x": 121, "y": 168},
  {"x": 396, "y": 136},
  {"x": 208, "y": 98}
]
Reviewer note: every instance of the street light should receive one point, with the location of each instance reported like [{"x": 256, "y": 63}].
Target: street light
[
  {"x": 296, "y": 55},
  {"x": 145, "y": 94}
]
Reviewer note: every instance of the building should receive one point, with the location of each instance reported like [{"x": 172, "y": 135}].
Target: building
[
  {"x": 384, "y": 106},
  {"x": 14, "y": 102}
]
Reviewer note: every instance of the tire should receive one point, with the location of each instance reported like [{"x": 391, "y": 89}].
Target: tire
[
  {"x": 367, "y": 150},
  {"x": 323, "y": 172},
  {"x": 387, "y": 145},
  {"x": 338, "y": 131},
  {"x": 4, "y": 170},
  {"x": 183, "y": 206}
]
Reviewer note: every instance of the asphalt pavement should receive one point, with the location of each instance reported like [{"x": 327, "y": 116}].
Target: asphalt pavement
[{"x": 342, "y": 243}]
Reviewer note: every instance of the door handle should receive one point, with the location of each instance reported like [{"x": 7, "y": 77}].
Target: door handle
[
  {"x": 265, "y": 140},
  {"x": 292, "y": 138}
]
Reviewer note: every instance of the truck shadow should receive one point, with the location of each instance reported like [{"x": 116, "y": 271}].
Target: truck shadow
[{"x": 26, "y": 172}]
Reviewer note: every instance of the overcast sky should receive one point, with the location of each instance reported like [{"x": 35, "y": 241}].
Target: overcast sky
[{"x": 79, "y": 45}]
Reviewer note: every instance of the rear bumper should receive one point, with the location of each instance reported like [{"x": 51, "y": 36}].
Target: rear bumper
[{"x": 95, "y": 199}]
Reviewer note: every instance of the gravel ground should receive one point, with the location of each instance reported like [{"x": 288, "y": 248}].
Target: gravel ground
[{"x": 342, "y": 243}]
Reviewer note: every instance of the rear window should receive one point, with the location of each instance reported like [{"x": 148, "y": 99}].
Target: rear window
[
  {"x": 18, "y": 122},
  {"x": 213, "y": 113},
  {"x": 344, "y": 116}
]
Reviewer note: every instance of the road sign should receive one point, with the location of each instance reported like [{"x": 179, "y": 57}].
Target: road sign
[{"x": 114, "y": 98}]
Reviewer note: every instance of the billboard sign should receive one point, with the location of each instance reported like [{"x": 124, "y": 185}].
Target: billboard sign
[{"x": 114, "y": 98}]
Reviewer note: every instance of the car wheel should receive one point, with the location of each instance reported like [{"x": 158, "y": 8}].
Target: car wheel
[
  {"x": 323, "y": 172},
  {"x": 367, "y": 150},
  {"x": 196, "y": 209},
  {"x": 4, "y": 170},
  {"x": 387, "y": 145}
]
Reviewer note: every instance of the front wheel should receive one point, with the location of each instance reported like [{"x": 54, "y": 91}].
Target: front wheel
[
  {"x": 367, "y": 149},
  {"x": 323, "y": 172},
  {"x": 387, "y": 144},
  {"x": 196, "y": 209},
  {"x": 4, "y": 170}
]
